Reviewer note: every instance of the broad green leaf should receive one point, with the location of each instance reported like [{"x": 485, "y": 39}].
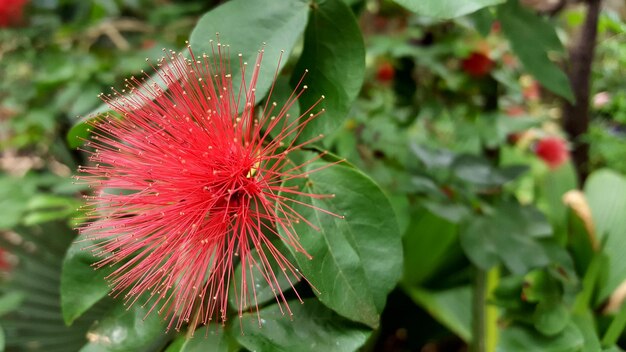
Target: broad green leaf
[
  {"x": 426, "y": 243},
  {"x": 582, "y": 244},
  {"x": 2, "y": 339},
  {"x": 356, "y": 261},
  {"x": 13, "y": 203},
  {"x": 483, "y": 20},
  {"x": 446, "y": 9},
  {"x": 479, "y": 171},
  {"x": 10, "y": 301},
  {"x": 451, "y": 211},
  {"x": 551, "y": 188},
  {"x": 244, "y": 26},
  {"x": 551, "y": 317},
  {"x": 126, "y": 329},
  {"x": 518, "y": 338},
  {"x": 433, "y": 158},
  {"x": 38, "y": 320},
  {"x": 258, "y": 289},
  {"x": 508, "y": 235},
  {"x": 531, "y": 39},
  {"x": 312, "y": 327},
  {"x": 334, "y": 55},
  {"x": 81, "y": 284},
  {"x": 80, "y": 130},
  {"x": 401, "y": 206},
  {"x": 587, "y": 326},
  {"x": 606, "y": 194},
  {"x": 205, "y": 339},
  {"x": 451, "y": 307}
]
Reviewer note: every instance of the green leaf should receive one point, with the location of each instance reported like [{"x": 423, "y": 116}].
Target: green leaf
[
  {"x": 9, "y": 301},
  {"x": 426, "y": 243},
  {"x": 334, "y": 54},
  {"x": 451, "y": 307},
  {"x": 81, "y": 285},
  {"x": 483, "y": 21},
  {"x": 606, "y": 194},
  {"x": 531, "y": 38},
  {"x": 551, "y": 188},
  {"x": 356, "y": 261},
  {"x": 13, "y": 203},
  {"x": 262, "y": 291},
  {"x": 518, "y": 338},
  {"x": 244, "y": 26},
  {"x": 312, "y": 327},
  {"x": 80, "y": 130},
  {"x": 479, "y": 171},
  {"x": 126, "y": 329},
  {"x": 2, "y": 339},
  {"x": 508, "y": 235},
  {"x": 551, "y": 317},
  {"x": 446, "y": 9},
  {"x": 206, "y": 339},
  {"x": 587, "y": 326},
  {"x": 433, "y": 158}
]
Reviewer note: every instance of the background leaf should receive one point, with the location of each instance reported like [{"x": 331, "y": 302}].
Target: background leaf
[
  {"x": 279, "y": 24},
  {"x": 312, "y": 327},
  {"x": 82, "y": 285},
  {"x": 446, "y": 9},
  {"x": 522, "y": 28},
  {"x": 206, "y": 339},
  {"x": 356, "y": 261},
  {"x": 452, "y": 307},
  {"x": 518, "y": 338},
  {"x": 126, "y": 329},
  {"x": 606, "y": 194},
  {"x": 426, "y": 246},
  {"x": 244, "y": 26},
  {"x": 262, "y": 292},
  {"x": 509, "y": 235},
  {"x": 334, "y": 54}
]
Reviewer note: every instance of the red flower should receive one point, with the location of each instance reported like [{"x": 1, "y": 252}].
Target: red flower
[
  {"x": 553, "y": 151},
  {"x": 385, "y": 72},
  {"x": 11, "y": 12},
  {"x": 477, "y": 64},
  {"x": 4, "y": 264},
  {"x": 186, "y": 187}
]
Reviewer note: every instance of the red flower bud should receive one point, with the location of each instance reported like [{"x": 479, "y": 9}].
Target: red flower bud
[
  {"x": 553, "y": 151},
  {"x": 385, "y": 72},
  {"x": 477, "y": 64}
]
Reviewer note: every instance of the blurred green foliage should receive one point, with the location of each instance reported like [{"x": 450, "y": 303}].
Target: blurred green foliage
[{"x": 436, "y": 105}]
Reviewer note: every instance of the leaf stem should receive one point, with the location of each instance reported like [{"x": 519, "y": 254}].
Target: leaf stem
[
  {"x": 615, "y": 329},
  {"x": 479, "y": 311}
]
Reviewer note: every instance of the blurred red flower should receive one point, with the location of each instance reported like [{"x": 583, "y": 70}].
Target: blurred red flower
[
  {"x": 198, "y": 174},
  {"x": 4, "y": 264},
  {"x": 385, "y": 72},
  {"x": 11, "y": 12},
  {"x": 477, "y": 64},
  {"x": 553, "y": 151}
]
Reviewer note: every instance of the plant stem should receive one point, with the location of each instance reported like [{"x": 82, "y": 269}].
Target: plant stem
[
  {"x": 479, "y": 311},
  {"x": 615, "y": 329},
  {"x": 491, "y": 322},
  {"x": 576, "y": 115}
]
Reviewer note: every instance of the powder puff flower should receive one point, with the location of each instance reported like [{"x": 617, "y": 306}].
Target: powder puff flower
[{"x": 188, "y": 182}]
